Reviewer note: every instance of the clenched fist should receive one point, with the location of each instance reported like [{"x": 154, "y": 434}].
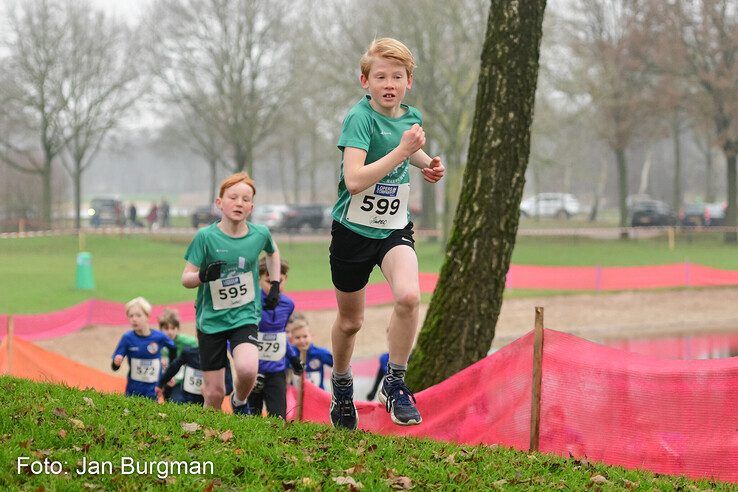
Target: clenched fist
[{"x": 412, "y": 140}]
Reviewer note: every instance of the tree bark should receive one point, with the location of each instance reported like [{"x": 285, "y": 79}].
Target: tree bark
[
  {"x": 461, "y": 319},
  {"x": 677, "y": 136},
  {"x": 730, "y": 214},
  {"x": 622, "y": 190}
]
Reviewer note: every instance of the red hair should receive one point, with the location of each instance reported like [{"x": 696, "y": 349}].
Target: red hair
[{"x": 234, "y": 179}]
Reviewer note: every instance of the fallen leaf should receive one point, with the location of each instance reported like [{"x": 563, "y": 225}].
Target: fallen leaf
[
  {"x": 25, "y": 444},
  {"x": 451, "y": 458},
  {"x": 210, "y": 432},
  {"x": 308, "y": 482},
  {"x": 89, "y": 401},
  {"x": 355, "y": 469},
  {"x": 289, "y": 485},
  {"x": 126, "y": 411},
  {"x": 630, "y": 485},
  {"x": 77, "y": 423},
  {"x": 59, "y": 412},
  {"x": 598, "y": 479},
  {"x": 500, "y": 483},
  {"x": 226, "y": 436},
  {"x": 162, "y": 415},
  {"x": 401, "y": 483},
  {"x": 62, "y": 433},
  {"x": 353, "y": 484},
  {"x": 190, "y": 426}
]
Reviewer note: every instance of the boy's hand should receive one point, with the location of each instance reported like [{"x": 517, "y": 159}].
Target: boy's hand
[
  {"x": 272, "y": 299},
  {"x": 211, "y": 272},
  {"x": 259, "y": 385},
  {"x": 118, "y": 360},
  {"x": 412, "y": 140},
  {"x": 435, "y": 170}
]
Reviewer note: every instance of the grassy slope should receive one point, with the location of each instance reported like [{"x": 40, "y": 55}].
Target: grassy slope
[
  {"x": 46, "y": 421},
  {"x": 42, "y": 269}
]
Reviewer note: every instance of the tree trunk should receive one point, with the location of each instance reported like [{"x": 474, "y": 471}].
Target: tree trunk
[
  {"x": 599, "y": 191},
  {"x": 730, "y": 215},
  {"x": 622, "y": 190},
  {"x": 46, "y": 178},
  {"x": 709, "y": 169},
  {"x": 213, "y": 163},
  {"x": 77, "y": 184},
  {"x": 461, "y": 319},
  {"x": 676, "y": 134}
]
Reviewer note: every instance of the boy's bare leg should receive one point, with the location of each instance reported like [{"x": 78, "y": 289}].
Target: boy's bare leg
[
  {"x": 343, "y": 336},
  {"x": 213, "y": 388},
  {"x": 245, "y": 367},
  {"x": 400, "y": 268},
  {"x": 348, "y": 323}
]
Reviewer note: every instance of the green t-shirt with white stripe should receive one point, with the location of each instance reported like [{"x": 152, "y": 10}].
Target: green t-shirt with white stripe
[
  {"x": 237, "y": 295},
  {"x": 366, "y": 129}
]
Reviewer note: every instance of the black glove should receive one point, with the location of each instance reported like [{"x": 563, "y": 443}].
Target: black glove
[
  {"x": 272, "y": 299},
  {"x": 296, "y": 366},
  {"x": 259, "y": 386},
  {"x": 211, "y": 272}
]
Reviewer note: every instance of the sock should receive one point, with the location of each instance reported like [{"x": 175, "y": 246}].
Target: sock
[
  {"x": 238, "y": 402},
  {"x": 343, "y": 377},
  {"x": 395, "y": 372}
]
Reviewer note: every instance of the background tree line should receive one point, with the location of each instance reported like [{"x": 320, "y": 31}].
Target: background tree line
[{"x": 633, "y": 95}]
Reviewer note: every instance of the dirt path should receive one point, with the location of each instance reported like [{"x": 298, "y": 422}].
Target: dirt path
[{"x": 592, "y": 316}]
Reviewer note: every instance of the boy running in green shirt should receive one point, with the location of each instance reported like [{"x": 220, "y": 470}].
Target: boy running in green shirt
[
  {"x": 380, "y": 138},
  {"x": 223, "y": 264}
]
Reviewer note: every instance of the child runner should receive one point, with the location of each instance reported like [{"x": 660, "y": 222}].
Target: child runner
[
  {"x": 169, "y": 325},
  {"x": 188, "y": 363},
  {"x": 380, "y": 137},
  {"x": 223, "y": 264},
  {"x": 318, "y": 358},
  {"x": 142, "y": 346},
  {"x": 274, "y": 351}
]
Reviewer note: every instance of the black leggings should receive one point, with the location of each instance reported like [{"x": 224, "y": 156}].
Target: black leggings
[{"x": 274, "y": 395}]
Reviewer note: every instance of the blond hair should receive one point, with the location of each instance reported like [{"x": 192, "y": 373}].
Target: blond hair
[
  {"x": 140, "y": 302},
  {"x": 390, "y": 49},
  {"x": 234, "y": 179},
  {"x": 297, "y": 324}
]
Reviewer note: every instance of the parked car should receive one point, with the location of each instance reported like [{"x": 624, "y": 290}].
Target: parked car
[
  {"x": 715, "y": 213},
  {"x": 652, "y": 213},
  {"x": 694, "y": 214},
  {"x": 302, "y": 216},
  {"x": 561, "y": 205},
  {"x": 108, "y": 211},
  {"x": 272, "y": 216},
  {"x": 203, "y": 216}
]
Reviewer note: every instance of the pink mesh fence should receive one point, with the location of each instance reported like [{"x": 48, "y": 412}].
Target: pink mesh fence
[
  {"x": 669, "y": 416},
  {"x": 98, "y": 312}
]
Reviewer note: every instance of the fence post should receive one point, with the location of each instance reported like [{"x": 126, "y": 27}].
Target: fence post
[
  {"x": 535, "y": 411},
  {"x": 301, "y": 388},
  {"x": 9, "y": 365}
]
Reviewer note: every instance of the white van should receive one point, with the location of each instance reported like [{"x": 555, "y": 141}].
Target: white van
[{"x": 561, "y": 205}]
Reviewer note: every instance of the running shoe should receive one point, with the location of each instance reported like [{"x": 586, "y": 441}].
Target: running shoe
[
  {"x": 244, "y": 409},
  {"x": 399, "y": 402},
  {"x": 343, "y": 410}
]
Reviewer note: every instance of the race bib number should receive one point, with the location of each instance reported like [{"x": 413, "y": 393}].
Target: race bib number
[
  {"x": 272, "y": 346},
  {"x": 192, "y": 382},
  {"x": 232, "y": 292},
  {"x": 382, "y": 206},
  {"x": 145, "y": 370},
  {"x": 313, "y": 377}
]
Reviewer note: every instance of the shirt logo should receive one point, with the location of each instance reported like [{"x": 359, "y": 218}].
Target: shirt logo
[
  {"x": 221, "y": 251},
  {"x": 314, "y": 363},
  {"x": 385, "y": 190},
  {"x": 153, "y": 347},
  {"x": 385, "y": 133},
  {"x": 227, "y": 282}
]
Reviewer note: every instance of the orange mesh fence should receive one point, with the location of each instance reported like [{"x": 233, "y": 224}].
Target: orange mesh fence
[
  {"x": 28, "y": 361},
  {"x": 668, "y": 416}
]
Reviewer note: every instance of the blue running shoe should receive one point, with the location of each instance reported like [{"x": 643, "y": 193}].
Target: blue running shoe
[
  {"x": 244, "y": 409},
  {"x": 400, "y": 402},
  {"x": 343, "y": 411}
]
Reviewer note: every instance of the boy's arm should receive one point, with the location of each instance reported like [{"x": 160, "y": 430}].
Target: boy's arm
[
  {"x": 359, "y": 177},
  {"x": 119, "y": 353},
  {"x": 432, "y": 169},
  {"x": 171, "y": 371},
  {"x": 191, "y": 276},
  {"x": 273, "y": 264}
]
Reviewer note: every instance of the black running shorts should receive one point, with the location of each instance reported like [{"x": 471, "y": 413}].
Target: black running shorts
[
  {"x": 213, "y": 346},
  {"x": 354, "y": 256}
]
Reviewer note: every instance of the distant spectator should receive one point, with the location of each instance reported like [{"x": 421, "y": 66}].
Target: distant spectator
[
  {"x": 133, "y": 215},
  {"x": 153, "y": 215},
  {"x": 164, "y": 212}
]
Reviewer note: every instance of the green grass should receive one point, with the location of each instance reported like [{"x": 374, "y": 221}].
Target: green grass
[
  {"x": 51, "y": 422},
  {"x": 39, "y": 273}
]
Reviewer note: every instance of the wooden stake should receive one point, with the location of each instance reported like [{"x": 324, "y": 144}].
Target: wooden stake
[
  {"x": 10, "y": 345},
  {"x": 301, "y": 388},
  {"x": 535, "y": 411}
]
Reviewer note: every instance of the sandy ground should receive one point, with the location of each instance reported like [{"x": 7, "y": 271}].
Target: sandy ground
[{"x": 592, "y": 316}]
